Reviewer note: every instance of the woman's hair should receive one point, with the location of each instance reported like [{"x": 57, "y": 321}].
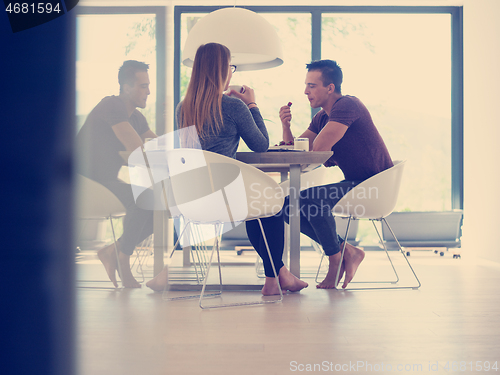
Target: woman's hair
[{"x": 202, "y": 105}]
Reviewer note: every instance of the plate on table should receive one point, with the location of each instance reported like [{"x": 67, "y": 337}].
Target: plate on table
[{"x": 282, "y": 148}]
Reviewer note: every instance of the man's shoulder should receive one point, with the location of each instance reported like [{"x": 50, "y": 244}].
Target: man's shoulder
[
  {"x": 320, "y": 116},
  {"x": 349, "y": 101},
  {"x": 138, "y": 114},
  {"x": 111, "y": 104}
]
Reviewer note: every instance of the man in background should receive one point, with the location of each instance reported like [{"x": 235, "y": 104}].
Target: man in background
[{"x": 116, "y": 125}]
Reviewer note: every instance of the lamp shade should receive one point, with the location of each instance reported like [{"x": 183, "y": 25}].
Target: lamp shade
[{"x": 253, "y": 42}]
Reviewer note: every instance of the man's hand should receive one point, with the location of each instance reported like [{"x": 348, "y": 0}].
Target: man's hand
[{"x": 285, "y": 116}]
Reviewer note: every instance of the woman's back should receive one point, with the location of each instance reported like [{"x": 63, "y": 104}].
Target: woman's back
[{"x": 238, "y": 121}]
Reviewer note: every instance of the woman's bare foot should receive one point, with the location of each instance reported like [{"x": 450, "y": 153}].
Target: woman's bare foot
[
  {"x": 128, "y": 280},
  {"x": 107, "y": 256},
  {"x": 288, "y": 281},
  {"x": 159, "y": 282},
  {"x": 353, "y": 257}
]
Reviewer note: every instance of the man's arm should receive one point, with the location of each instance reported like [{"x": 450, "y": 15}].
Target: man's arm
[
  {"x": 127, "y": 135},
  {"x": 329, "y": 136},
  {"x": 148, "y": 134},
  {"x": 312, "y": 136}
]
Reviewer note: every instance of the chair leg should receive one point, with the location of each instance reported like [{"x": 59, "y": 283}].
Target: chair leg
[
  {"x": 404, "y": 255},
  {"x": 388, "y": 257},
  {"x": 387, "y": 254},
  {"x": 200, "y": 274},
  {"x": 257, "y": 302},
  {"x": 119, "y": 268},
  {"x": 392, "y": 265},
  {"x": 337, "y": 276},
  {"x": 272, "y": 264}
]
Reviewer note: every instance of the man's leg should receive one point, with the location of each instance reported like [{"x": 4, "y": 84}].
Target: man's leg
[
  {"x": 137, "y": 225},
  {"x": 316, "y": 206}
]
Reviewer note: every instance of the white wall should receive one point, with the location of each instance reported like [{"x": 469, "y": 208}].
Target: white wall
[
  {"x": 482, "y": 132},
  {"x": 481, "y": 103}
]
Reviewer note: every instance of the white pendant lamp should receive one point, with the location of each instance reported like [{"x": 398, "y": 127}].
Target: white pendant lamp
[{"x": 252, "y": 40}]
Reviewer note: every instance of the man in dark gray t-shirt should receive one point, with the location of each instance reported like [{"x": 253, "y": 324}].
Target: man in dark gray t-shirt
[
  {"x": 344, "y": 125},
  {"x": 116, "y": 125}
]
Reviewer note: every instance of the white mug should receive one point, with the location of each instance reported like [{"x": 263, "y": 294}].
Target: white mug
[
  {"x": 301, "y": 144},
  {"x": 237, "y": 88}
]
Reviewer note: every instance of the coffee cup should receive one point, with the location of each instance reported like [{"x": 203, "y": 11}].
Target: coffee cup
[
  {"x": 236, "y": 88},
  {"x": 301, "y": 144}
]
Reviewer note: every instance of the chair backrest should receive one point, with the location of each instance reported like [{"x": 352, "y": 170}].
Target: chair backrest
[
  {"x": 95, "y": 201},
  {"x": 375, "y": 197},
  {"x": 208, "y": 187}
]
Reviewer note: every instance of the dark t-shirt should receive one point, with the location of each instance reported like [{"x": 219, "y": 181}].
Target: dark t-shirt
[
  {"x": 98, "y": 146},
  {"x": 361, "y": 152}
]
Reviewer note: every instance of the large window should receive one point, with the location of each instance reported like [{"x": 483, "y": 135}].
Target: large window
[
  {"x": 402, "y": 72},
  {"x": 404, "y": 63}
]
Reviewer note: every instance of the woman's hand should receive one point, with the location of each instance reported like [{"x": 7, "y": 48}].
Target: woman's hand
[{"x": 248, "y": 96}]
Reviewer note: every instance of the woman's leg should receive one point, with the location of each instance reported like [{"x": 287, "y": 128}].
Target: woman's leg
[{"x": 274, "y": 228}]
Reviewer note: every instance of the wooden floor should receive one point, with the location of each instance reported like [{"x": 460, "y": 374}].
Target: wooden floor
[{"x": 450, "y": 325}]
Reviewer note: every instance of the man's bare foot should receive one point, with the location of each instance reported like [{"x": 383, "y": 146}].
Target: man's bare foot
[
  {"x": 287, "y": 280},
  {"x": 333, "y": 267},
  {"x": 353, "y": 257},
  {"x": 128, "y": 280},
  {"x": 107, "y": 256},
  {"x": 159, "y": 282}
]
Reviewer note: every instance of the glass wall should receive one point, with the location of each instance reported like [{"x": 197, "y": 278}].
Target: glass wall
[
  {"x": 273, "y": 87},
  {"x": 399, "y": 62},
  {"x": 402, "y": 73}
]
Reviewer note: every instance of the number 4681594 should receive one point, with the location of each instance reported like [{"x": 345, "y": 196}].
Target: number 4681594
[
  {"x": 471, "y": 366},
  {"x": 32, "y": 8}
]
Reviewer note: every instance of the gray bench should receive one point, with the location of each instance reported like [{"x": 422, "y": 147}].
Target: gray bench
[{"x": 434, "y": 229}]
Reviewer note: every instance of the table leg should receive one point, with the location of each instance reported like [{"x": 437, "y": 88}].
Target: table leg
[
  {"x": 286, "y": 247},
  {"x": 160, "y": 240},
  {"x": 295, "y": 219}
]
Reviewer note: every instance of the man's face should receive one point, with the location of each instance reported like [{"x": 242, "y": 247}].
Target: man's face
[
  {"x": 315, "y": 91},
  {"x": 138, "y": 94}
]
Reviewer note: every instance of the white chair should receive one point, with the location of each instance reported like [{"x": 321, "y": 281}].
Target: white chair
[
  {"x": 96, "y": 202},
  {"x": 374, "y": 199},
  {"x": 209, "y": 188}
]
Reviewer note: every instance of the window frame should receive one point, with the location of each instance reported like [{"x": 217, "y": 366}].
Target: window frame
[{"x": 457, "y": 85}]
